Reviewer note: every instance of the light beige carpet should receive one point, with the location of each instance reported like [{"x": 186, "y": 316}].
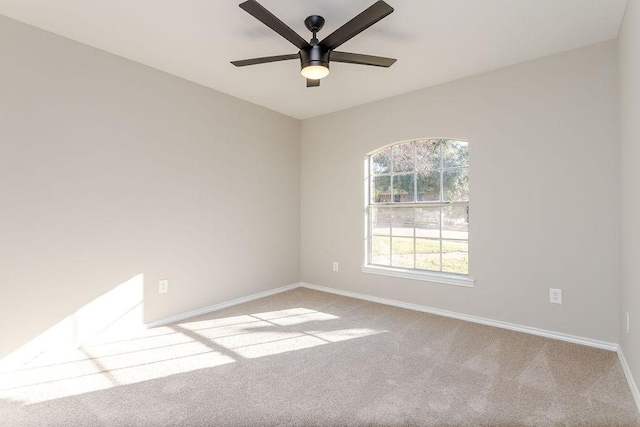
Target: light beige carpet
[{"x": 309, "y": 358}]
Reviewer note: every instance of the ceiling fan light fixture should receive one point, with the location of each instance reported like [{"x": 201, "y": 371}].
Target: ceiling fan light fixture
[
  {"x": 314, "y": 62},
  {"x": 315, "y": 72}
]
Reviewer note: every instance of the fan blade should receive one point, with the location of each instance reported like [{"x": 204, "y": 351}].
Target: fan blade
[
  {"x": 256, "y": 10},
  {"x": 370, "y": 16},
  {"x": 313, "y": 83},
  {"x": 358, "y": 58},
  {"x": 265, "y": 59}
]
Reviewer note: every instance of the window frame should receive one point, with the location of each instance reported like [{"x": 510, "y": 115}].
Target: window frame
[{"x": 407, "y": 272}]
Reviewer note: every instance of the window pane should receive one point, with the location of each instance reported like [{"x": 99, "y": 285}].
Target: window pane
[
  {"x": 381, "y": 191},
  {"x": 402, "y": 252},
  {"x": 455, "y": 153},
  {"x": 455, "y": 257},
  {"x": 427, "y": 155},
  {"x": 403, "y": 189},
  {"x": 428, "y": 254},
  {"x": 456, "y": 185},
  {"x": 381, "y": 162},
  {"x": 380, "y": 250},
  {"x": 381, "y": 221},
  {"x": 402, "y": 222},
  {"x": 455, "y": 222},
  {"x": 428, "y": 222},
  {"x": 429, "y": 187},
  {"x": 403, "y": 160}
]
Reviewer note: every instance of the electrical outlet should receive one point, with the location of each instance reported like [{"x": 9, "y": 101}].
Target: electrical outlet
[
  {"x": 163, "y": 286},
  {"x": 335, "y": 265},
  {"x": 627, "y": 322},
  {"x": 555, "y": 296}
]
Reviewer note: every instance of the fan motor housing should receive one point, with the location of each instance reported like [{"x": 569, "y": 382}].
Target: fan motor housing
[{"x": 314, "y": 55}]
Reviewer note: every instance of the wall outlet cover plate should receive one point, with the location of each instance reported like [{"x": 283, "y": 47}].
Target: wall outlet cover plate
[{"x": 163, "y": 286}]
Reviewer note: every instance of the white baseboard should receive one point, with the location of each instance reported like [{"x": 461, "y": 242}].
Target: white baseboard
[
  {"x": 475, "y": 319},
  {"x": 497, "y": 323},
  {"x": 630, "y": 380},
  {"x": 216, "y": 307}
]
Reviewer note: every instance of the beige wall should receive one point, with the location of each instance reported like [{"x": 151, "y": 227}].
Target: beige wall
[
  {"x": 110, "y": 169},
  {"x": 629, "y": 54},
  {"x": 543, "y": 168}
]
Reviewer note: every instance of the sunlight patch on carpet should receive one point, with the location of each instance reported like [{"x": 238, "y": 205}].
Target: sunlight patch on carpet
[{"x": 187, "y": 346}]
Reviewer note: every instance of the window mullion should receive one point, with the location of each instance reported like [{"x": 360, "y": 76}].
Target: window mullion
[
  {"x": 414, "y": 238},
  {"x": 393, "y": 198},
  {"x": 441, "y": 172},
  {"x": 440, "y": 240},
  {"x": 441, "y": 196},
  {"x": 369, "y": 204},
  {"x": 391, "y": 162},
  {"x": 391, "y": 236},
  {"x": 415, "y": 175},
  {"x": 370, "y": 236}
]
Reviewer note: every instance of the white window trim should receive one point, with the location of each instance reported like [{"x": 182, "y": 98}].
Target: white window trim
[{"x": 424, "y": 275}]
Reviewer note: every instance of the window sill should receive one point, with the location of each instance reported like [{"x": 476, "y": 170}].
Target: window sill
[{"x": 444, "y": 278}]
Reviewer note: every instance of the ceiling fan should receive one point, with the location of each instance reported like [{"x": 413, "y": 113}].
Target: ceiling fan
[{"x": 315, "y": 56}]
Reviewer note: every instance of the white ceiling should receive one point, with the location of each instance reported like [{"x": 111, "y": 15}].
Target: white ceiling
[{"x": 435, "y": 41}]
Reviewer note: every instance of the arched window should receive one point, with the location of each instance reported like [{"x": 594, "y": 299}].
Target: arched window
[{"x": 418, "y": 207}]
